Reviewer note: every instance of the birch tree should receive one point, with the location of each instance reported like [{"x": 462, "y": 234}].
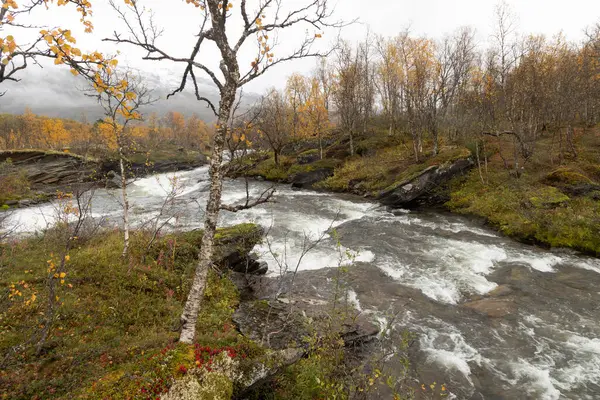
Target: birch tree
[
  {"x": 121, "y": 95},
  {"x": 229, "y": 26}
]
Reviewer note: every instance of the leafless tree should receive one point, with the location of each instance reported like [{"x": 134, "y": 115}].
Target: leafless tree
[
  {"x": 46, "y": 42},
  {"x": 275, "y": 123}
]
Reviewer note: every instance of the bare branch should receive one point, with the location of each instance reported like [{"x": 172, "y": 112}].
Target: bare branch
[{"x": 265, "y": 197}]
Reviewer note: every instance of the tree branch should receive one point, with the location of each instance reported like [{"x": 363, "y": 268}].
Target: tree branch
[{"x": 265, "y": 197}]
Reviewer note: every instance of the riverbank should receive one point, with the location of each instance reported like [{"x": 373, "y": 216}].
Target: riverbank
[
  {"x": 552, "y": 203},
  {"x": 429, "y": 273},
  {"x": 31, "y": 176}
]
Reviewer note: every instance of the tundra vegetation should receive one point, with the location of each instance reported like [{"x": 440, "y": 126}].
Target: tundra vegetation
[{"x": 88, "y": 313}]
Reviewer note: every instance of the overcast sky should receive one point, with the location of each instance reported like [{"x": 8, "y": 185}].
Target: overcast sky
[{"x": 433, "y": 18}]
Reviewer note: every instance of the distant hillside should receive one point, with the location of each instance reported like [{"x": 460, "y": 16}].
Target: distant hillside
[{"x": 56, "y": 93}]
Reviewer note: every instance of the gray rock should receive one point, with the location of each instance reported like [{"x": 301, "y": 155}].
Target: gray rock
[
  {"x": 493, "y": 307},
  {"x": 286, "y": 321},
  {"x": 421, "y": 187},
  {"x": 113, "y": 180},
  {"x": 308, "y": 158}
]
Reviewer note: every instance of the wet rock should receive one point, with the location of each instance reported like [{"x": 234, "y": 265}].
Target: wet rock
[
  {"x": 307, "y": 180},
  {"x": 583, "y": 189},
  {"x": 26, "y": 203},
  {"x": 421, "y": 188},
  {"x": 501, "y": 290},
  {"x": 493, "y": 307},
  {"x": 245, "y": 264},
  {"x": 285, "y": 322},
  {"x": 113, "y": 180}
]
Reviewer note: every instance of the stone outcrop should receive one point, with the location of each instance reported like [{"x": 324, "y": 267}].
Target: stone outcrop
[
  {"x": 113, "y": 180},
  {"x": 421, "y": 187},
  {"x": 234, "y": 251},
  {"x": 498, "y": 303},
  {"x": 49, "y": 171},
  {"x": 282, "y": 322}
]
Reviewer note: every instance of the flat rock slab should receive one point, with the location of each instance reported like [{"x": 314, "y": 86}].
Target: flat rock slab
[{"x": 493, "y": 307}]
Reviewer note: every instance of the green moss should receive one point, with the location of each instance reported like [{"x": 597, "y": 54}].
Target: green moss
[
  {"x": 547, "y": 197},
  {"x": 245, "y": 230},
  {"x": 271, "y": 171},
  {"x": 327, "y": 163},
  {"x": 528, "y": 211},
  {"x": 309, "y": 152},
  {"x": 387, "y": 169}
]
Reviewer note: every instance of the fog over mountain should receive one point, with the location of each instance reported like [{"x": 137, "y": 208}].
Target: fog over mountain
[{"x": 55, "y": 92}]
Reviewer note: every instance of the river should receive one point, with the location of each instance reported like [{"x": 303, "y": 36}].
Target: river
[{"x": 421, "y": 267}]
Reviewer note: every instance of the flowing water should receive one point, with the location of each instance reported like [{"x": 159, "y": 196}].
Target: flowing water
[{"x": 421, "y": 267}]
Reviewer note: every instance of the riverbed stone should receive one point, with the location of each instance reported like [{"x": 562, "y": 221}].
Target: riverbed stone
[
  {"x": 501, "y": 290},
  {"x": 493, "y": 307}
]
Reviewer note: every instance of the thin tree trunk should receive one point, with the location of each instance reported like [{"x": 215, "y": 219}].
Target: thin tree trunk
[
  {"x": 320, "y": 145},
  {"x": 352, "y": 139},
  {"x": 486, "y": 162},
  {"x": 415, "y": 143},
  {"x": 189, "y": 316},
  {"x": 479, "y": 162},
  {"x": 125, "y": 204},
  {"x": 516, "y": 158},
  {"x": 570, "y": 141}
]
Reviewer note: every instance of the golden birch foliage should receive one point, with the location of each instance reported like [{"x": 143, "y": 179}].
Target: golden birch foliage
[{"x": 55, "y": 132}]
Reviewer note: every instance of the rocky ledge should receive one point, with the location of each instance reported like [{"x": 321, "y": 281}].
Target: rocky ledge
[{"x": 50, "y": 171}]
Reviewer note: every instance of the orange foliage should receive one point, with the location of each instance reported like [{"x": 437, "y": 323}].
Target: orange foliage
[{"x": 29, "y": 130}]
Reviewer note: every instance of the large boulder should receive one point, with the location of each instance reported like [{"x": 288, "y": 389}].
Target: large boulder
[
  {"x": 307, "y": 180},
  {"x": 422, "y": 186},
  {"x": 283, "y": 322},
  {"x": 233, "y": 250}
]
